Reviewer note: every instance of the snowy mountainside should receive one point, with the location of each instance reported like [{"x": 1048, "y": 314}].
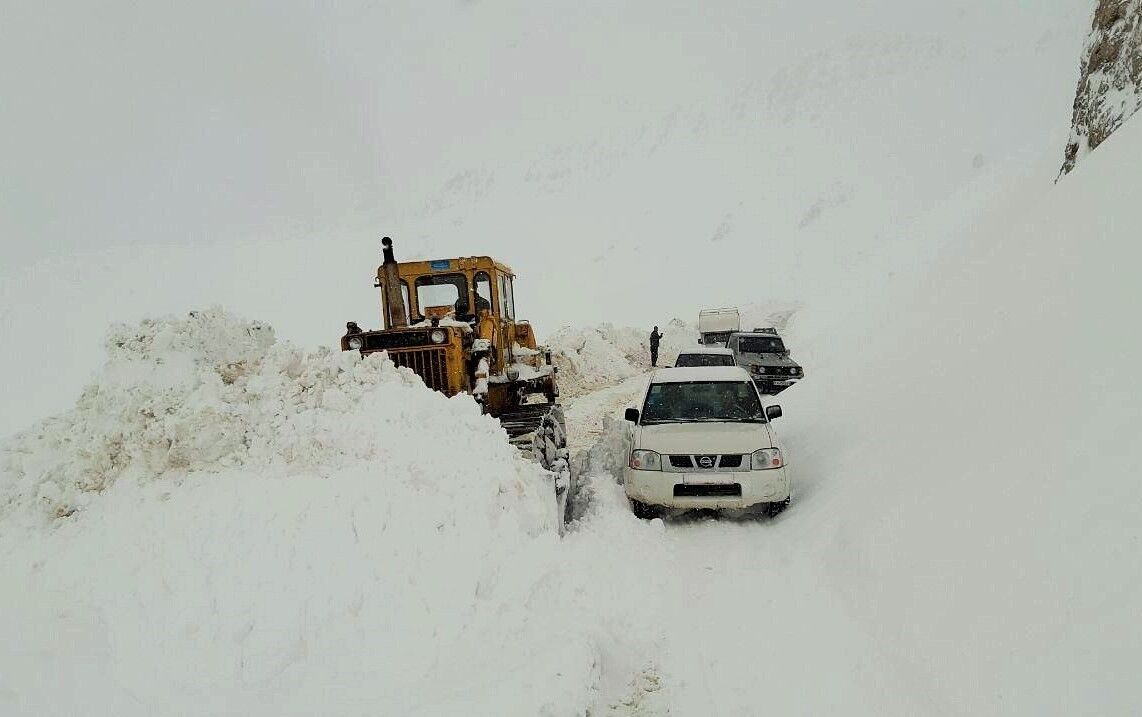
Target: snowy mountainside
[
  {"x": 1110, "y": 84},
  {"x": 965, "y": 480}
]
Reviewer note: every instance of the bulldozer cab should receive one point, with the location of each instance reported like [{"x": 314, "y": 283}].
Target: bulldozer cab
[
  {"x": 462, "y": 289},
  {"x": 453, "y": 322}
]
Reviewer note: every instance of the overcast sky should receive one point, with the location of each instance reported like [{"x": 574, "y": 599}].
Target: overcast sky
[{"x": 632, "y": 161}]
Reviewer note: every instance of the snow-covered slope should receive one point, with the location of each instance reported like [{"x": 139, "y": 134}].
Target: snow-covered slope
[{"x": 966, "y": 454}]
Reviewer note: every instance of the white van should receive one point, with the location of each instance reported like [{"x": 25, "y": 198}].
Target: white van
[
  {"x": 716, "y": 325},
  {"x": 703, "y": 439}
]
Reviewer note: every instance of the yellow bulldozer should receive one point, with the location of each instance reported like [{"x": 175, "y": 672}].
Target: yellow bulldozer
[{"x": 453, "y": 322}]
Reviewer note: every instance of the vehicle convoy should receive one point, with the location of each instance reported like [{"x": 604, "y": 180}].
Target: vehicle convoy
[
  {"x": 765, "y": 356},
  {"x": 703, "y": 439},
  {"x": 716, "y": 325},
  {"x": 705, "y": 356},
  {"x": 453, "y": 322}
]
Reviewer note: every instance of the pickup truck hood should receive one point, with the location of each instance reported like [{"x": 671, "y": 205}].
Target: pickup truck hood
[{"x": 694, "y": 438}]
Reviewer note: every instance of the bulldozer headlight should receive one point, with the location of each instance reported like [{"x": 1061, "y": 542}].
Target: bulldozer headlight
[
  {"x": 356, "y": 343},
  {"x": 438, "y": 336}
]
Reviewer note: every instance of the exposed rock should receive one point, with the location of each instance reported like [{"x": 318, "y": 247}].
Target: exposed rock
[{"x": 1110, "y": 84}]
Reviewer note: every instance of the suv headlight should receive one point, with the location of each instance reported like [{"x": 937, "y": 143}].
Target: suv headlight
[
  {"x": 767, "y": 459},
  {"x": 356, "y": 343},
  {"x": 438, "y": 336},
  {"x": 758, "y": 369},
  {"x": 794, "y": 371},
  {"x": 645, "y": 461}
]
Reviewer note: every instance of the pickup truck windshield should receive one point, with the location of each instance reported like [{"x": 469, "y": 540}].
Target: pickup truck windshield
[
  {"x": 760, "y": 345},
  {"x": 725, "y": 401},
  {"x": 685, "y": 360}
]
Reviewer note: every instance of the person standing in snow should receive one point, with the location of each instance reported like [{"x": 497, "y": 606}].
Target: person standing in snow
[{"x": 655, "y": 339}]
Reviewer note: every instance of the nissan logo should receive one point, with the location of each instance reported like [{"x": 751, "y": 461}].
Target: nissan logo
[{"x": 706, "y": 461}]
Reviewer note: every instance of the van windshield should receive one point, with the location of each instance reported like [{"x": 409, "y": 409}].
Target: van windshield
[
  {"x": 686, "y": 360},
  {"x": 721, "y": 401}
]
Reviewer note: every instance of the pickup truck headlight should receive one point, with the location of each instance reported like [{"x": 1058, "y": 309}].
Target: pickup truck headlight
[
  {"x": 356, "y": 343},
  {"x": 645, "y": 461},
  {"x": 767, "y": 459}
]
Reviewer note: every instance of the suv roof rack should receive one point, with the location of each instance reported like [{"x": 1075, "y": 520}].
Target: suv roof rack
[{"x": 767, "y": 330}]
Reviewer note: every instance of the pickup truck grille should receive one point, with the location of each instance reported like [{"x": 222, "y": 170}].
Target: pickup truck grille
[{"x": 705, "y": 462}]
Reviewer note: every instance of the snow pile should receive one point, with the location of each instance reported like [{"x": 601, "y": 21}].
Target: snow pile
[
  {"x": 247, "y": 528},
  {"x": 208, "y": 392},
  {"x": 595, "y": 357}
]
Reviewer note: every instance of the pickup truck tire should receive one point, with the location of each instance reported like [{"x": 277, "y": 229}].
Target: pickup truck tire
[
  {"x": 775, "y": 509},
  {"x": 643, "y": 511}
]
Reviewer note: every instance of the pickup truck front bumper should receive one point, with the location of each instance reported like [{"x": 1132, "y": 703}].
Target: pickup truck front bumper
[{"x": 707, "y": 490}]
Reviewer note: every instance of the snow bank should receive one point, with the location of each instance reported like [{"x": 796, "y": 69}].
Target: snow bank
[
  {"x": 595, "y": 357},
  {"x": 227, "y": 524},
  {"x": 967, "y": 454}
]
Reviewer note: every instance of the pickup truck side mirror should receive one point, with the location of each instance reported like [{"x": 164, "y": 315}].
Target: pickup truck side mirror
[
  {"x": 631, "y": 415},
  {"x": 772, "y": 412}
]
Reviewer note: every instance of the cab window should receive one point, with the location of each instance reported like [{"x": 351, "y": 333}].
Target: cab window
[
  {"x": 483, "y": 292},
  {"x": 442, "y": 290},
  {"x": 507, "y": 301}
]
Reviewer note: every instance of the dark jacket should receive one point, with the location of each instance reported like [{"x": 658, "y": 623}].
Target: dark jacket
[{"x": 655, "y": 338}]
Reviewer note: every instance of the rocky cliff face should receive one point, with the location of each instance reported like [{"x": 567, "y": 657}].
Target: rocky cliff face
[{"x": 1110, "y": 86}]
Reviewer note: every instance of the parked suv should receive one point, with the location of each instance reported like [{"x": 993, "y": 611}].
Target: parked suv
[
  {"x": 764, "y": 355},
  {"x": 703, "y": 439}
]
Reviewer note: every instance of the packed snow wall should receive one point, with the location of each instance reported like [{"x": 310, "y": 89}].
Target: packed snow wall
[{"x": 228, "y": 524}]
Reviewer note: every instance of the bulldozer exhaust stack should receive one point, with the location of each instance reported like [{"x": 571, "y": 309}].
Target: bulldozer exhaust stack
[{"x": 390, "y": 277}]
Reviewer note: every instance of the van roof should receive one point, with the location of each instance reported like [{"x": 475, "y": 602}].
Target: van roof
[{"x": 699, "y": 373}]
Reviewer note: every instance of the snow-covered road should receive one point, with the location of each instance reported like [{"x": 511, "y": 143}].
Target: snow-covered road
[{"x": 741, "y": 619}]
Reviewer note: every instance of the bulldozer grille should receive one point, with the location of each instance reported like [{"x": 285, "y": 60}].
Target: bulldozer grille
[{"x": 430, "y": 364}]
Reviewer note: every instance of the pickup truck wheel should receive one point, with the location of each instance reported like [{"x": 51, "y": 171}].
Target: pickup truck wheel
[
  {"x": 774, "y": 509},
  {"x": 642, "y": 510}
]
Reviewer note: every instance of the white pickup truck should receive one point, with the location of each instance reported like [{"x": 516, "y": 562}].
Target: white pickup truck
[
  {"x": 716, "y": 325},
  {"x": 702, "y": 438}
]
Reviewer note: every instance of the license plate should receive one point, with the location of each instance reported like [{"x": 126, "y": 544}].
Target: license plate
[{"x": 708, "y": 478}]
